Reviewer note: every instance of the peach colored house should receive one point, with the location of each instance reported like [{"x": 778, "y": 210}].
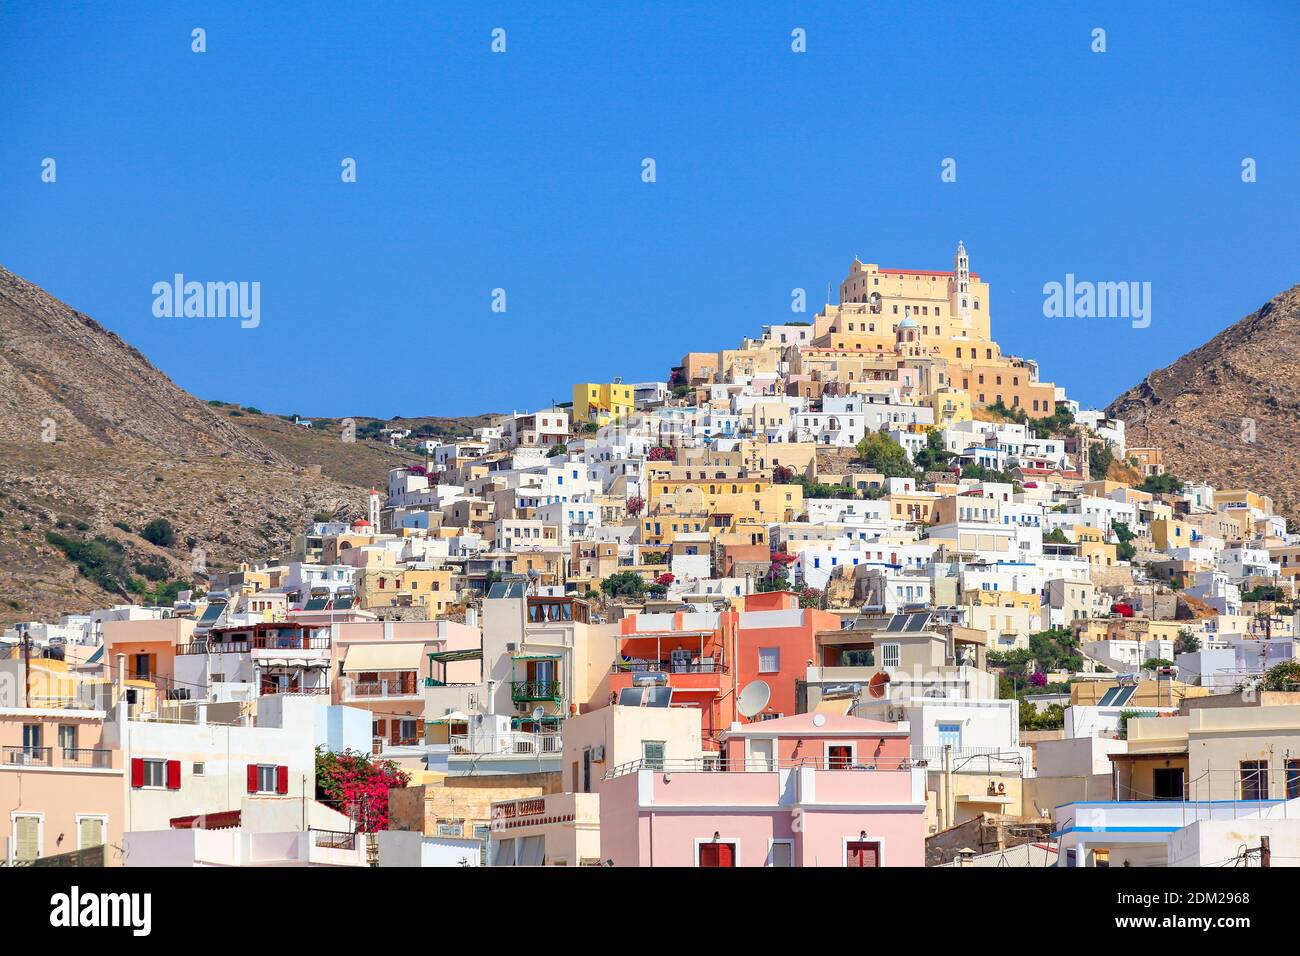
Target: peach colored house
[
  {"x": 707, "y": 657},
  {"x": 805, "y": 790},
  {"x": 149, "y": 648},
  {"x": 61, "y": 787}
]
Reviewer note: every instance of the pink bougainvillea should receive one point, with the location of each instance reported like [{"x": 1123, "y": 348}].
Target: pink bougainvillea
[{"x": 358, "y": 785}]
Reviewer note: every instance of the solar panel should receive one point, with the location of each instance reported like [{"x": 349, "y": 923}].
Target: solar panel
[
  {"x": 315, "y": 604},
  {"x": 658, "y": 696},
  {"x": 896, "y": 622},
  {"x": 211, "y": 613},
  {"x": 1108, "y": 697},
  {"x": 917, "y": 622},
  {"x": 1123, "y": 696},
  {"x": 631, "y": 696},
  {"x": 343, "y": 604}
]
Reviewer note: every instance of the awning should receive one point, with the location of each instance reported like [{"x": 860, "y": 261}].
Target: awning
[
  {"x": 455, "y": 717},
  {"x": 840, "y": 706},
  {"x": 449, "y": 657},
  {"x": 383, "y": 656}
]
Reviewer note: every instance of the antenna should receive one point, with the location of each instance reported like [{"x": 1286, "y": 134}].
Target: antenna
[{"x": 753, "y": 698}]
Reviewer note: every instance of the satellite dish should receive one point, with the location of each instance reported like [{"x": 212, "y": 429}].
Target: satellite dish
[
  {"x": 876, "y": 686},
  {"x": 539, "y": 713},
  {"x": 819, "y": 720},
  {"x": 753, "y": 698}
]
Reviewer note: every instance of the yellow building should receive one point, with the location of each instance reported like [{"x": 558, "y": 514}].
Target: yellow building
[
  {"x": 602, "y": 402},
  {"x": 951, "y": 405}
]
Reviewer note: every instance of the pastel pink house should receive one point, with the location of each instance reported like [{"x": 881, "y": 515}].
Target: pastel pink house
[{"x": 806, "y": 790}]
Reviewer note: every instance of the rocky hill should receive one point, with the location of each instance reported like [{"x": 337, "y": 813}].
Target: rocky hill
[
  {"x": 96, "y": 443},
  {"x": 1229, "y": 411}
]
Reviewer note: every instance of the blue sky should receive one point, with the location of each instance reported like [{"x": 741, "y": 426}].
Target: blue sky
[{"x": 522, "y": 171}]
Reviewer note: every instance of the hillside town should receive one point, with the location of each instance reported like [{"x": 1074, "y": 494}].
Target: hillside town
[{"x": 861, "y": 591}]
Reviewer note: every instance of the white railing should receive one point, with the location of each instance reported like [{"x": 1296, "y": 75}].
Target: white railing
[{"x": 514, "y": 742}]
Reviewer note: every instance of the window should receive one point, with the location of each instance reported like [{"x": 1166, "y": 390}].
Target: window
[
  {"x": 90, "y": 831},
  {"x": 67, "y": 738},
  {"x": 861, "y": 853},
  {"x": 890, "y": 655},
  {"x": 27, "y": 837},
  {"x": 781, "y": 853},
  {"x": 153, "y": 773},
  {"x": 1292, "y": 779},
  {"x": 1254, "y": 780},
  {"x": 652, "y": 754},
  {"x": 1167, "y": 783},
  {"x": 197, "y": 770},
  {"x": 950, "y": 735},
  {"x": 268, "y": 778},
  {"x": 717, "y": 854},
  {"x": 482, "y": 833},
  {"x": 769, "y": 660},
  {"x": 839, "y": 756}
]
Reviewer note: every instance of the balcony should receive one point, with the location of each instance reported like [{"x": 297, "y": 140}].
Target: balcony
[
  {"x": 705, "y": 666},
  {"x": 260, "y": 643},
  {"x": 28, "y": 757},
  {"x": 53, "y": 758},
  {"x": 515, "y": 742},
  {"x": 379, "y": 689},
  {"x": 525, "y": 691}
]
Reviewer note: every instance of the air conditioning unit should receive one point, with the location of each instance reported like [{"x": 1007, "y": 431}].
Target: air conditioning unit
[
  {"x": 511, "y": 646},
  {"x": 598, "y": 753}
]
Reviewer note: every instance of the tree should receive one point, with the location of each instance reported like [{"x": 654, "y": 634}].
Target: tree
[
  {"x": 623, "y": 584},
  {"x": 1124, "y": 550},
  {"x": 933, "y": 456},
  {"x": 557, "y": 450},
  {"x": 635, "y": 505},
  {"x": 1186, "y": 642},
  {"x": 782, "y": 475},
  {"x": 357, "y": 784},
  {"x": 1284, "y": 676},
  {"x": 1099, "y": 460},
  {"x": 810, "y": 598},
  {"x": 1155, "y": 663},
  {"x": 1055, "y": 536},
  {"x": 1165, "y": 484},
  {"x": 882, "y": 454},
  {"x": 159, "y": 531}
]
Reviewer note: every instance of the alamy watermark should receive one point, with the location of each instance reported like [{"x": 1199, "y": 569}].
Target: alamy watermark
[
  {"x": 1083, "y": 299},
  {"x": 209, "y": 300}
]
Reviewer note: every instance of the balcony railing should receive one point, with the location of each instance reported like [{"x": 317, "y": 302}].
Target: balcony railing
[
  {"x": 334, "y": 839},
  {"x": 519, "y": 742},
  {"x": 716, "y": 763},
  {"x": 670, "y": 667},
  {"x": 381, "y": 688},
  {"x": 526, "y": 690},
  {"x": 287, "y": 643},
  {"x": 28, "y": 757},
  {"x": 87, "y": 759}
]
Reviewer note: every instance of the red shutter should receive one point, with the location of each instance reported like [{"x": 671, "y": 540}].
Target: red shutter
[
  {"x": 173, "y": 774},
  {"x": 252, "y": 778},
  {"x": 137, "y": 772},
  {"x": 726, "y": 854},
  {"x": 281, "y": 779}
]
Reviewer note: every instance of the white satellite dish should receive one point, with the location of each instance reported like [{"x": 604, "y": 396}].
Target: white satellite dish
[
  {"x": 539, "y": 712},
  {"x": 753, "y": 698}
]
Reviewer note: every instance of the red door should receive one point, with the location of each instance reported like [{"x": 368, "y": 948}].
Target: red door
[
  {"x": 718, "y": 854},
  {"x": 839, "y": 756},
  {"x": 863, "y": 854}
]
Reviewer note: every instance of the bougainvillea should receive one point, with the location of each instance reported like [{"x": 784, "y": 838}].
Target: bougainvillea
[
  {"x": 358, "y": 785},
  {"x": 1038, "y": 679},
  {"x": 665, "y": 579},
  {"x": 635, "y": 505},
  {"x": 660, "y": 453}
]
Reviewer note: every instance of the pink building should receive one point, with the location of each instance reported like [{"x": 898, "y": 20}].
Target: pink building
[{"x": 806, "y": 790}]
